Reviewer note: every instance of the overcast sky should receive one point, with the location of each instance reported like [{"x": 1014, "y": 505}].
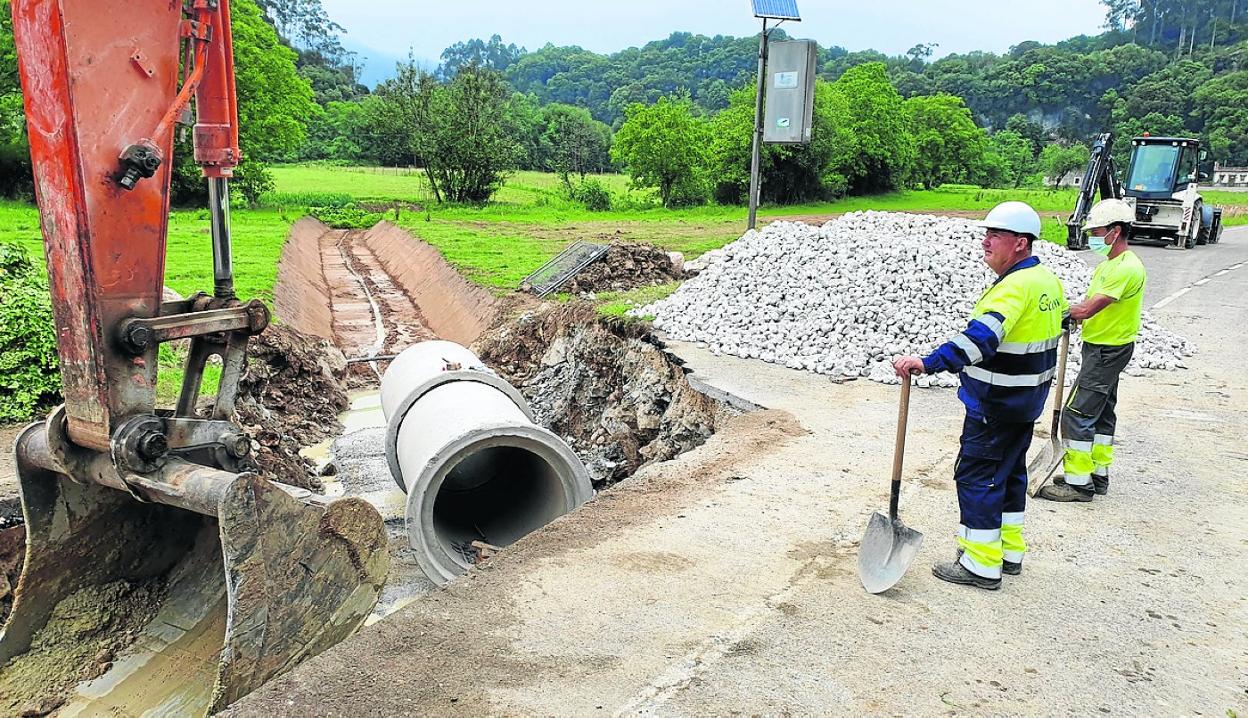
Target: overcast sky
[{"x": 890, "y": 26}]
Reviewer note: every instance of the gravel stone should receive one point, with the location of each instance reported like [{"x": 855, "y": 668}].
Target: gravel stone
[{"x": 845, "y": 298}]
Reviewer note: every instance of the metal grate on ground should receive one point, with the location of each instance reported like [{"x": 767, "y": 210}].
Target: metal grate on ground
[{"x": 566, "y": 265}]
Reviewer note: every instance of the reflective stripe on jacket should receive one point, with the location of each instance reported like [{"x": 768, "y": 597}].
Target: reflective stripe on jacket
[{"x": 1008, "y": 353}]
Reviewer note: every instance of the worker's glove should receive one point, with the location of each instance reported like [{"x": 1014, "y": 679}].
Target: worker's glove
[{"x": 1067, "y": 322}]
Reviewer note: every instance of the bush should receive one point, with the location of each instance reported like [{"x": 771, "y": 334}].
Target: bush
[
  {"x": 252, "y": 180},
  {"x": 593, "y": 194},
  {"x": 306, "y": 199},
  {"x": 30, "y": 381},
  {"x": 688, "y": 192},
  {"x": 348, "y": 217}
]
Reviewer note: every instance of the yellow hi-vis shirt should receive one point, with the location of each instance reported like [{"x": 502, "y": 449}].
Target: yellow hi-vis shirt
[{"x": 1121, "y": 278}]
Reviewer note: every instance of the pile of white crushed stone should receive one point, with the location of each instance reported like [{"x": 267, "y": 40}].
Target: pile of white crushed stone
[{"x": 845, "y": 298}]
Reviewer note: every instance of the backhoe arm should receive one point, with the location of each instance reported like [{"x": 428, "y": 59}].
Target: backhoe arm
[{"x": 1100, "y": 175}]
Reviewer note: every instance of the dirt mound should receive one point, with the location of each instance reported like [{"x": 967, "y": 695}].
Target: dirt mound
[
  {"x": 604, "y": 385},
  {"x": 626, "y": 266},
  {"x": 290, "y": 397}
]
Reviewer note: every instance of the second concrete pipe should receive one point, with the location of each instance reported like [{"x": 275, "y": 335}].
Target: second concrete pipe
[{"x": 462, "y": 444}]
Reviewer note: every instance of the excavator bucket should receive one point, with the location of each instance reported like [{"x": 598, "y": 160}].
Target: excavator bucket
[
  {"x": 161, "y": 577},
  {"x": 128, "y": 607}
]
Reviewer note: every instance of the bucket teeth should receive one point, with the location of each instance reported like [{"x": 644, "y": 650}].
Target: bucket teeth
[{"x": 300, "y": 575}]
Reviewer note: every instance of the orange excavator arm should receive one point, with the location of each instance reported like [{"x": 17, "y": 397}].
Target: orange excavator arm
[
  {"x": 121, "y": 498},
  {"x": 104, "y": 91}
]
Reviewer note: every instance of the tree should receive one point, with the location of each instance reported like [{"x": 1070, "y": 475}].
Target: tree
[
  {"x": 663, "y": 146},
  {"x": 15, "y": 178},
  {"x": 950, "y": 145},
  {"x": 572, "y": 142},
  {"x": 1057, "y": 161},
  {"x": 1222, "y": 105},
  {"x": 1029, "y": 129},
  {"x": 788, "y": 173},
  {"x": 492, "y": 55},
  {"x": 885, "y": 147},
  {"x": 305, "y": 24},
  {"x": 462, "y": 132},
  {"x": 1168, "y": 91},
  {"x": 274, "y": 102},
  {"x": 385, "y": 134},
  {"x": 1015, "y": 159},
  {"x": 921, "y": 53}
]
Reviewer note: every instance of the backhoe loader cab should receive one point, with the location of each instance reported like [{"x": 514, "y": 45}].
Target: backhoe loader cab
[
  {"x": 1161, "y": 167},
  {"x": 1161, "y": 183}
]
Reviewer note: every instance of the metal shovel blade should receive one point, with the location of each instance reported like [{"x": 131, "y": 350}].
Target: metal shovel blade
[
  {"x": 1041, "y": 467},
  {"x": 885, "y": 553}
]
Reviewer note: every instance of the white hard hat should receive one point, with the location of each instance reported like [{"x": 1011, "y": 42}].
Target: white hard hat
[
  {"x": 1107, "y": 212},
  {"x": 1016, "y": 217}
]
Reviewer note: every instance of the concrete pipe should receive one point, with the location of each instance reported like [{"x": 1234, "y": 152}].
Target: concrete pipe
[{"x": 462, "y": 444}]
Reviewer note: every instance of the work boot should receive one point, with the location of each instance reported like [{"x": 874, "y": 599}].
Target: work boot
[
  {"x": 954, "y": 572},
  {"x": 1100, "y": 485},
  {"x": 1061, "y": 491},
  {"x": 1007, "y": 567}
]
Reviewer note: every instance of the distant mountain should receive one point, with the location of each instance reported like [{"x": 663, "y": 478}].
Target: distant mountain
[{"x": 378, "y": 66}]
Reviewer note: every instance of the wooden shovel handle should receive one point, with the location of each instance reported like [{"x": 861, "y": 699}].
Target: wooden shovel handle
[
  {"x": 899, "y": 448},
  {"x": 1060, "y": 379}
]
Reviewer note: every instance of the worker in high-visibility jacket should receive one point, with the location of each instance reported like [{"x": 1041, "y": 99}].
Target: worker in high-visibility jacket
[
  {"x": 1110, "y": 317},
  {"x": 1007, "y": 356}
]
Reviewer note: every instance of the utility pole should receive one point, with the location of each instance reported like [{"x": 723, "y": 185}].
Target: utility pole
[
  {"x": 756, "y": 150},
  {"x": 781, "y": 11}
]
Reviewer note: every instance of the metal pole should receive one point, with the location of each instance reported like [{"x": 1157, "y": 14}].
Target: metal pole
[
  {"x": 758, "y": 126},
  {"x": 222, "y": 253}
]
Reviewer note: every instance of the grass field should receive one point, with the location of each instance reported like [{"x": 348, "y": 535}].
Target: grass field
[
  {"x": 530, "y": 221},
  {"x": 257, "y": 237},
  {"x": 500, "y": 243}
]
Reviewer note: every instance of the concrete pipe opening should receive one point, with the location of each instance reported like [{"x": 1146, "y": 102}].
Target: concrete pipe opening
[
  {"x": 462, "y": 444},
  {"x": 496, "y": 493}
]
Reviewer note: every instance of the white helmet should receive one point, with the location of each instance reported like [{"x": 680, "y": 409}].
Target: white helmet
[
  {"x": 1016, "y": 217},
  {"x": 1107, "y": 212}
]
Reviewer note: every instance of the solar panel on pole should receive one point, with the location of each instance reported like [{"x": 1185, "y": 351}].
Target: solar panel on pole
[{"x": 778, "y": 9}]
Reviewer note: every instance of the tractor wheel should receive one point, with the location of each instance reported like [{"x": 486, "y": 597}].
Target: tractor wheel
[{"x": 1202, "y": 232}]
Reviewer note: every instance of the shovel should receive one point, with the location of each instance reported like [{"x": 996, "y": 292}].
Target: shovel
[
  {"x": 888, "y": 546},
  {"x": 1041, "y": 468}
]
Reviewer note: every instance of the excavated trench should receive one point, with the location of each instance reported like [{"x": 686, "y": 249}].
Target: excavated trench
[{"x": 606, "y": 387}]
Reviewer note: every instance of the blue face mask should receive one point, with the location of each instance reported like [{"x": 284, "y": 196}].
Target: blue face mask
[{"x": 1097, "y": 244}]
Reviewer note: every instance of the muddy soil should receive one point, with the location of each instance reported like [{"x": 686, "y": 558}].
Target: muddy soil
[
  {"x": 605, "y": 385},
  {"x": 626, "y": 266},
  {"x": 86, "y": 631},
  {"x": 9, "y": 508},
  {"x": 12, "y": 554},
  {"x": 394, "y": 321},
  {"x": 290, "y": 397}
]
